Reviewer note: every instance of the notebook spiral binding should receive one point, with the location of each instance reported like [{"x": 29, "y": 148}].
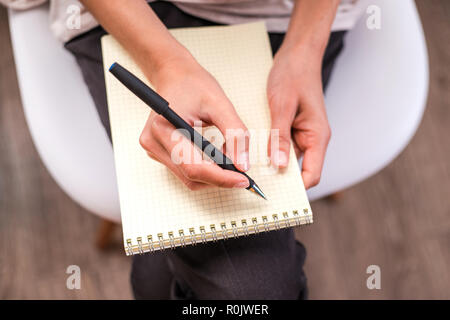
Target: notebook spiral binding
[{"x": 214, "y": 234}]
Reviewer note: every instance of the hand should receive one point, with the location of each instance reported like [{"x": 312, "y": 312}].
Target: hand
[
  {"x": 195, "y": 95},
  {"x": 297, "y": 106}
]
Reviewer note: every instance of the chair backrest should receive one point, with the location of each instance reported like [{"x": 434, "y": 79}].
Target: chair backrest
[
  {"x": 376, "y": 96},
  {"x": 61, "y": 115}
]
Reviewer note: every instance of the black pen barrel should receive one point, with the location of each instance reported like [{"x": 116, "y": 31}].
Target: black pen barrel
[
  {"x": 207, "y": 147},
  {"x": 139, "y": 88}
]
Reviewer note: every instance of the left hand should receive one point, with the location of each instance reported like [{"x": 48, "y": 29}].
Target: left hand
[{"x": 297, "y": 107}]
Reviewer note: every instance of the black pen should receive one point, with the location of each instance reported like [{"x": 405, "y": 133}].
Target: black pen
[{"x": 161, "y": 106}]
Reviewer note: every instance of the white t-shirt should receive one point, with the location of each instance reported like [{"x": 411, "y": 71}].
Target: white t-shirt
[{"x": 275, "y": 13}]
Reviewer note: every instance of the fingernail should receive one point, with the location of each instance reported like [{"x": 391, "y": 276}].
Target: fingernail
[
  {"x": 243, "y": 184},
  {"x": 280, "y": 159},
  {"x": 243, "y": 161}
]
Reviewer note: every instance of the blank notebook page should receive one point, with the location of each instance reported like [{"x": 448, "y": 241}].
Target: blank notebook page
[{"x": 158, "y": 211}]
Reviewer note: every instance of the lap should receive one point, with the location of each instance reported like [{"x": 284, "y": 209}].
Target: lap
[{"x": 264, "y": 266}]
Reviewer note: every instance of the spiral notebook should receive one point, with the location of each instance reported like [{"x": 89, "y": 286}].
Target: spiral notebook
[{"x": 158, "y": 211}]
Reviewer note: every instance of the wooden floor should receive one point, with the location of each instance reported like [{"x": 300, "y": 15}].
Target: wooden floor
[{"x": 399, "y": 219}]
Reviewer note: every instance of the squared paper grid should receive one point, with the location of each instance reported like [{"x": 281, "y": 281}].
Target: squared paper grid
[{"x": 154, "y": 201}]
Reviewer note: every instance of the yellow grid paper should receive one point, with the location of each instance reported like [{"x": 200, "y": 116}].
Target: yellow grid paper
[{"x": 153, "y": 201}]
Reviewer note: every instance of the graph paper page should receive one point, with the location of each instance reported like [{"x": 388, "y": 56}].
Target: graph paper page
[{"x": 152, "y": 199}]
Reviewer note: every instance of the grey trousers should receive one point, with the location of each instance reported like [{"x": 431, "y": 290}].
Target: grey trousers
[{"x": 263, "y": 266}]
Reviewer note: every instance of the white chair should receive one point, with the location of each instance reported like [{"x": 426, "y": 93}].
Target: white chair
[
  {"x": 376, "y": 97},
  {"x": 61, "y": 115},
  {"x": 375, "y": 101}
]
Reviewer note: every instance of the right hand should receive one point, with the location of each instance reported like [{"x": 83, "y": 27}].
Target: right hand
[{"x": 195, "y": 95}]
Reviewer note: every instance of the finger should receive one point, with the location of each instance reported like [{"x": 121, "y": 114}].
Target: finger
[
  {"x": 237, "y": 137},
  {"x": 158, "y": 153},
  {"x": 165, "y": 160},
  {"x": 282, "y": 113},
  {"x": 212, "y": 174},
  {"x": 188, "y": 159},
  {"x": 312, "y": 164}
]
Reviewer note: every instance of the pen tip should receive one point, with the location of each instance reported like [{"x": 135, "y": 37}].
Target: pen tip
[{"x": 258, "y": 191}]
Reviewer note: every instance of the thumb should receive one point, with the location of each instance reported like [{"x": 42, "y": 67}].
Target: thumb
[{"x": 280, "y": 133}]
